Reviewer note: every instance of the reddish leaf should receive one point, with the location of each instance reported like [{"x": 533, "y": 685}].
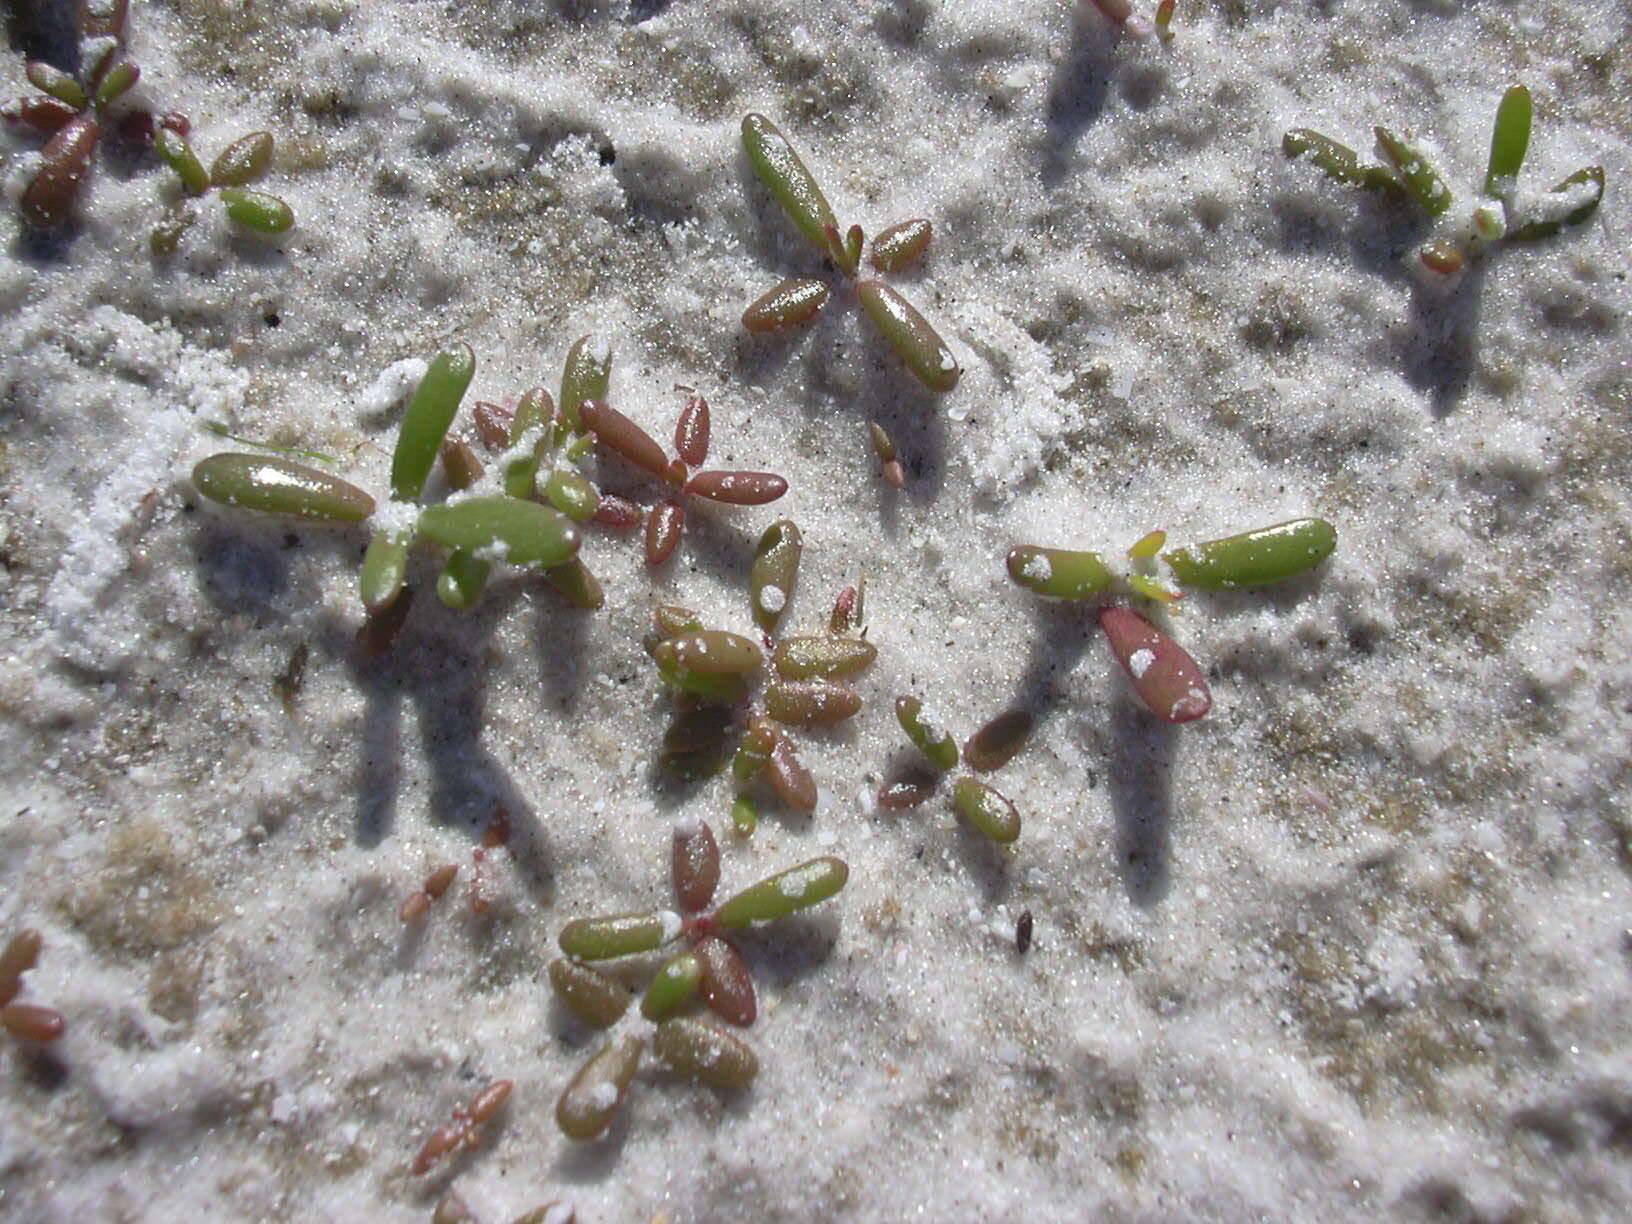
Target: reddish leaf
[
  {"x": 625, "y": 437},
  {"x": 691, "y": 431},
  {"x": 663, "y": 527},
  {"x": 738, "y": 488},
  {"x": 726, "y": 986},
  {"x": 1167, "y": 679},
  {"x": 696, "y": 864}
]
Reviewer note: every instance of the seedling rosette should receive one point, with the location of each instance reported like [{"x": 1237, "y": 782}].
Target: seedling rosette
[
  {"x": 799, "y": 300},
  {"x": 990, "y": 748},
  {"x": 708, "y": 969},
  {"x": 1169, "y": 682}
]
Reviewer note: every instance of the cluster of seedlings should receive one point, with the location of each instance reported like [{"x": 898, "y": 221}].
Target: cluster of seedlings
[
  {"x": 25, "y": 1021},
  {"x": 494, "y": 839},
  {"x": 527, "y": 508},
  {"x": 713, "y": 674},
  {"x": 1503, "y": 216},
  {"x": 1166, "y": 678},
  {"x": 708, "y": 969},
  {"x": 74, "y": 110}
]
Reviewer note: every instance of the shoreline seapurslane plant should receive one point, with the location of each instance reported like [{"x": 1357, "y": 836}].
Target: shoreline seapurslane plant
[
  {"x": 684, "y": 474},
  {"x": 243, "y": 162},
  {"x": 990, "y": 748},
  {"x": 708, "y": 970},
  {"x": 798, "y": 300},
  {"x": 73, "y": 111},
  {"x": 1503, "y": 216},
  {"x": 475, "y": 527},
  {"x": 1169, "y": 682},
  {"x": 714, "y": 674}
]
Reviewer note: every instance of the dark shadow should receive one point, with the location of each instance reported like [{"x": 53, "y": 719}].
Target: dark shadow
[
  {"x": 1439, "y": 351},
  {"x": 986, "y": 862},
  {"x": 1077, "y": 98},
  {"x": 645, "y": 10},
  {"x": 45, "y": 30},
  {"x": 1138, "y": 779},
  {"x": 785, "y": 952}
]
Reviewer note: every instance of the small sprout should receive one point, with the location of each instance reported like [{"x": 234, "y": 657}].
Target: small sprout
[
  {"x": 986, "y": 809},
  {"x": 705, "y": 1053},
  {"x": 280, "y": 486},
  {"x": 1509, "y": 142},
  {"x": 594, "y": 939},
  {"x": 738, "y": 488},
  {"x": 1165, "y": 677},
  {"x": 908, "y": 790},
  {"x": 424, "y": 423},
  {"x": 1022, "y": 933},
  {"x": 466, "y": 1130},
  {"x": 664, "y": 526},
  {"x": 889, "y": 467},
  {"x": 1417, "y": 175},
  {"x": 792, "y": 303},
  {"x": 1059, "y": 573},
  {"x": 1153, "y": 588},
  {"x": 744, "y": 815},
  {"x": 811, "y": 703},
  {"x": 572, "y": 494},
  {"x": 243, "y": 162},
  {"x": 695, "y": 865},
  {"x": 845, "y": 250},
  {"x": 419, "y": 901},
  {"x": 849, "y": 609},
  {"x": 592, "y": 1099},
  {"x": 691, "y": 432},
  {"x": 595, "y": 998},
  {"x": 785, "y": 893},
  {"x": 32, "y": 1022},
  {"x": 821, "y": 656},
  {"x": 900, "y": 245},
  {"x": 917, "y": 343},
  {"x": 927, "y": 733},
  {"x": 1441, "y": 257},
  {"x": 1268, "y": 554},
  {"x": 523, "y": 533},
  {"x": 115, "y": 82},
  {"x": 784, "y": 175},
  {"x": 725, "y": 984},
  {"x": 675, "y": 985},
  {"x": 587, "y": 375},
  {"x": 775, "y": 567},
  {"x": 996, "y": 743}
]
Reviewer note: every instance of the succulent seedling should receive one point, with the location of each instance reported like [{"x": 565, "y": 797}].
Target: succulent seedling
[
  {"x": 798, "y": 300},
  {"x": 73, "y": 111},
  {"x": 467, "y": 1129},
  {"x": 1120, "y": 14},
  {"x": 1167, "y": 679},
  {"x": 243, "y": 162},
  {"x": 990, "y": 748},
  {"x": 714, "y": 672},
  {"x": 707, "y": 969},
  {"x": 475, "y": 528},
  {"x": 666, "y": 521},
  {"x": 25, "y": 1021},
  {"x": 1503, "y": 215}
]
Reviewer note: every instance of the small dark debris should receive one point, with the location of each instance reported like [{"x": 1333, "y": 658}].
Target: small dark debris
[
  {"x": 287, "y": 685},
  {"x": 608, "y": 155},
  {"x": 1022, "y": 933},
  {"x": 272, "y": 319}
]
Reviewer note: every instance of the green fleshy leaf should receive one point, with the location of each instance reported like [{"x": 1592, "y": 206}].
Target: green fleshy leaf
[
  {"x": 280, "y": 486},
  {"x": 178, "y": 154},
  {"x": 1509, "y": 141},
  {"x": 522, "y": 533},
  {"x": 385, "y": 569},
  {"x": 917, "y": 343},
  {"x": 1417, "y": 174},
  {"x": 793, "y": 186},
  {"x": 785, "y": 893},
  {"x": 244, "y": 161},
  {"x": 463, "y": 579},
  {"x": 587, "y": 375},
  {"x": 1253, "y": 558},
  {"x": 429, "y": 413}
]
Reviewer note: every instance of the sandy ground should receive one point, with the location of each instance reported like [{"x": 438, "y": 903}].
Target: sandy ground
[{"x": 1355, "y": 945}]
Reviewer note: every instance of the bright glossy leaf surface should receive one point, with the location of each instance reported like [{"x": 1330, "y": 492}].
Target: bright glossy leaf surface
[
  {"x": 280, "y": 486},
  {"x": 704, "y": 1053},
  {"x": 1509, "y": 142},
  {"x": 1268, "y": 554},
  {"x": 523, "y": 533},
  {"x": 590, "y": 1102},
  {"x": 792, "y": 303},
  {"x": 927, "y": 732},
  {"x": 426, "y": 419},
  {"x": 784, "y": 174},
  {"x": 1059, "y": 573},
  {"x": 986, "y": 809},
  {"x": 785, "y": 893},
  {"x": 1166, "y": 678},
  {"x": 596, "y": 998},
  {"x": 917, "y": 343},
  {"x": 618, "y": 935}
]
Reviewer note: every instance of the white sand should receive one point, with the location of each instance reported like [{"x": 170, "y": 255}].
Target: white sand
[{"x": 1354, "y": 946}]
